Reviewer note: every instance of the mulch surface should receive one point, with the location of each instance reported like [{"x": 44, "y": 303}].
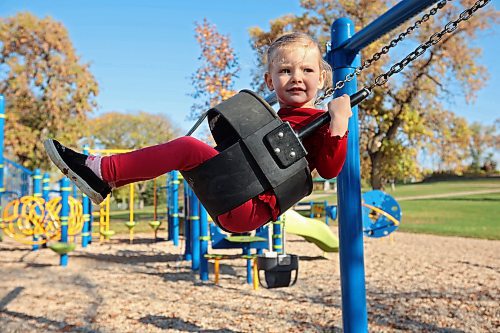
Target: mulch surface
[{"x": 417, "y": 283}]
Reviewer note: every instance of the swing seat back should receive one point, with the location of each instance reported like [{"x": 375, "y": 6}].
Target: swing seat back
[{"x": 258, "y": 152}]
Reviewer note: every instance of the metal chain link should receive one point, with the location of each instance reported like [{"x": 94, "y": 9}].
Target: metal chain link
[
  {"x": 384, "y": 50},
  {"x": 433, "y": 40}
]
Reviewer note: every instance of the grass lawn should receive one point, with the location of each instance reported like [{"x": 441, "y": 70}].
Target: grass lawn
[
  {"x": 442, "y": 187},
  {"x": 475, "y": 216}
]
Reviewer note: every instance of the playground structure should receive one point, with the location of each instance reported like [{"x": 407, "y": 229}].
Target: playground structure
[{"x": 345, "y": 60}]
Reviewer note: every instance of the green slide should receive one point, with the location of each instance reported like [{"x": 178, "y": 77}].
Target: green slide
[{"x": 312, "y": 230}]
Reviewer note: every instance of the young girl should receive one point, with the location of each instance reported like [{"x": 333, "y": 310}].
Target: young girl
[{"x": 296, "y": 72}]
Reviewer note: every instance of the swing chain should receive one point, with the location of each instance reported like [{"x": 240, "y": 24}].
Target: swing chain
[
  {"x": 384, "y": 50},
  {"x": 433, "y": 40}
]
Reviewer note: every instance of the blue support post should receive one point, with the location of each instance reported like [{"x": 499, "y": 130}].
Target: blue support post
[
  {"x": 194, "y": 230},
  {"x": 204, "y": 239},
  {"x": 64, "y": 215},
  {"x": 168, "y": 188},
  {"x": 87, "y": 211},
  {"x": 352, "y": 270},
  {"x": 247, "y": 252},
  {"x": 277, "y": 236},
  {"x": 37, "y": 192},
  {"x": 86, "y": 207},
  {"x": 175, "y": 208},
  {"x": 46, "y": 186},
  {"x": 187, "y": 234}
]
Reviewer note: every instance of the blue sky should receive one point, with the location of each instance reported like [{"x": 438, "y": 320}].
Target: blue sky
[{"x": 142, "y": 53}]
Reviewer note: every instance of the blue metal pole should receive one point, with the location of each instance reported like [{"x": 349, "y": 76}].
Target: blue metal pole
[
  {"x": 187, "y": 213},
  {"x": 204, "y": 239},
  {"x": 194, "y": 230},
  {"x": 175, "y": 207},
  {"x": 46, "y": 186},
  {"x": 37, "y": 192},
  {"x": 388, "y": 21},
  {"x": 168, "y": 188},
  {"x": 247, "y": 253},
  {"x": 352, "y": 270},
  {"x": 87, "y": 206},
  {"x": 64, "y": 215},
  {"x": 277, "y": 236}
]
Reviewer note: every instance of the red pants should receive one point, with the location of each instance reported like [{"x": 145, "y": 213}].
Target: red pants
[{"x": 182, "y": 154}]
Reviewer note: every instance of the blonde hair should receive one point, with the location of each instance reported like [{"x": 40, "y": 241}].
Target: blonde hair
[{"x": 299, "y": 38}]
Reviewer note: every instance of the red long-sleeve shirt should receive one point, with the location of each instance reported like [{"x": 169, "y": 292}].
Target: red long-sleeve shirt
[{"x": 325, "y": 153}]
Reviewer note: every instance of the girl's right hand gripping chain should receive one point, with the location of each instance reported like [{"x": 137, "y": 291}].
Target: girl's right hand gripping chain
[{"x": 340, "y": 112}]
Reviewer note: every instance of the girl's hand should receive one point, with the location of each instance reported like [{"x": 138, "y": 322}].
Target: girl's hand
[{"x": 340, "y": 111}]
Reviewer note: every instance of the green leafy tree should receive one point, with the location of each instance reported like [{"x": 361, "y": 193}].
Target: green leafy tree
[
  {"x": 398, "y": 119},
  {"x": 214, "y": 80},
  {"x": 48, "y": 90}
]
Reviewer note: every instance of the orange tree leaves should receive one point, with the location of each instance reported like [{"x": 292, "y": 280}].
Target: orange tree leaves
[
  {"x": 214, "y": 80},
  {"x": 48, "y": 91}
]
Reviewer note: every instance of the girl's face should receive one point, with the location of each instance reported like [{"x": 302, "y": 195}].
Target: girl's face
[{"x": 295, "y": 75}]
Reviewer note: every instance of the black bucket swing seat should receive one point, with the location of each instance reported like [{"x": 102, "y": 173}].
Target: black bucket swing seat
[{"x": 258, "y": 152}]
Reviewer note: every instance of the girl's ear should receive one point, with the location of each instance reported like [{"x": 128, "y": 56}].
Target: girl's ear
[
  {"x": 269, "y": 81},
  {"x": 322, "y": 80}
]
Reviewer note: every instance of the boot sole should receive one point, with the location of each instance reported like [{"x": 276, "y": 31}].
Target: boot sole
[{"x": 51, "y": 150}]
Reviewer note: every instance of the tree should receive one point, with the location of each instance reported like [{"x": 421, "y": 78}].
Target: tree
[
  {"x": 115, "y": 130},
  {"x": 49, "y": 92},
  {"x": 399, "y": 118},
  {"x": 483, "y": 139},
  {"x": 213, "y": 82}
]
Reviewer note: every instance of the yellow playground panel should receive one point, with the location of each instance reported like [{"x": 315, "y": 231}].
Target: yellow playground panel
[{"x": 30, "y": 220}]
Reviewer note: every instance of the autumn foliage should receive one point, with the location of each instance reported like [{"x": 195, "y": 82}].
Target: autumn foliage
[
  {"x": 48, "y": 90},
  {"x": 214, "y": 80}
]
